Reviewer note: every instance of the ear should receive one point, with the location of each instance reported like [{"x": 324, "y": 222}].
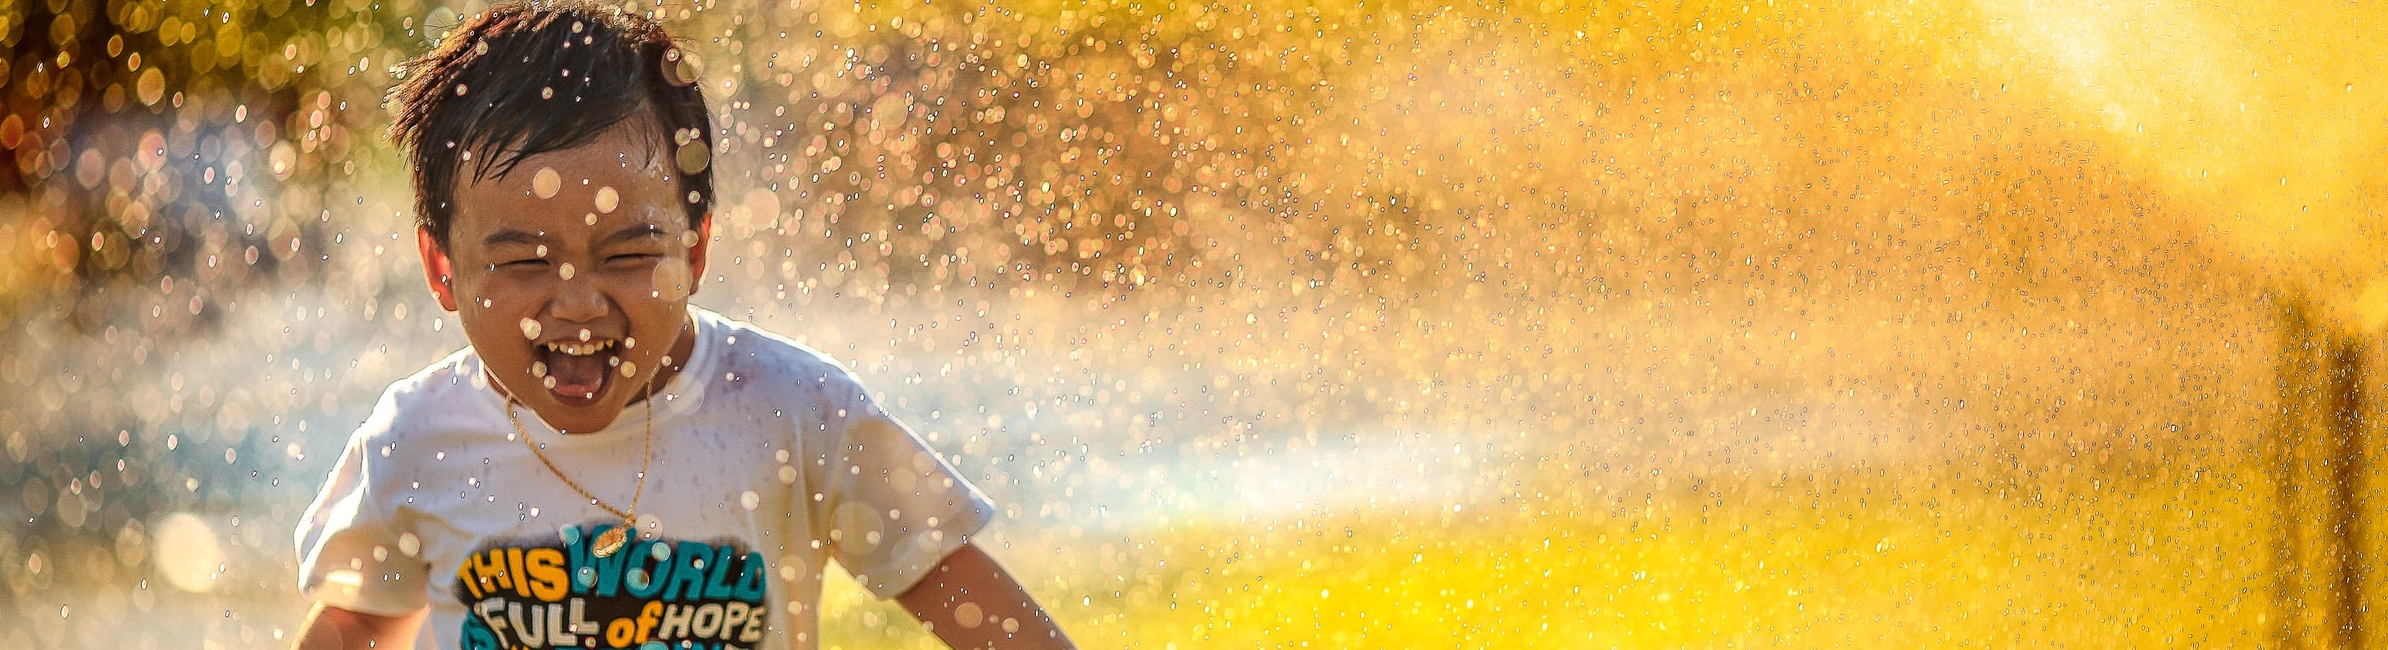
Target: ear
[
  {"x": 438, "y": 269},
  {"x": 696, "y": 254}
]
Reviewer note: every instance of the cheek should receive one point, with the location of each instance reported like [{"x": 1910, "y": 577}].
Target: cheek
[
  {"x": 486, "y": 292},
  {"x": 670, "y": 279}
]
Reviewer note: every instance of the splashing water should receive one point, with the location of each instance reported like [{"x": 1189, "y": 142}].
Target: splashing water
[{"x": 1403, "y": 325}]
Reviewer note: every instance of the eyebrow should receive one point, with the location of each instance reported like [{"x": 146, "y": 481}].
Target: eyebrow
[{"x": 511, "y": 236}]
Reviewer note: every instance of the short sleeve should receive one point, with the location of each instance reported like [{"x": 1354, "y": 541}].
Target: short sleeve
[
  {"x": 351, "y": 556},
  {"x": 893, "y": 507}
]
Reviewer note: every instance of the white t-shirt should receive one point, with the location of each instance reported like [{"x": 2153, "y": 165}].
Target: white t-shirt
[{"x": 770, "y": 460}]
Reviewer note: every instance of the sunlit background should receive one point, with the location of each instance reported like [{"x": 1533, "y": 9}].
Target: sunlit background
[{"x": 1398, "y": 324}]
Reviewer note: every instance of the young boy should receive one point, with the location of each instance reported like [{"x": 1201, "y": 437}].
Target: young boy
[{"x": 606, "y": 466}]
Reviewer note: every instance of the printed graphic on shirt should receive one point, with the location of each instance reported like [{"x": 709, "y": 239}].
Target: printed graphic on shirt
[{"x": 556, "y": 593}]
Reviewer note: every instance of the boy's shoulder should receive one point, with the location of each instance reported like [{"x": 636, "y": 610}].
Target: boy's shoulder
[
  {"x": 747, "y": 350},
  {"x": 445, "y": 389},
  {"x": 447, "y": 378}
]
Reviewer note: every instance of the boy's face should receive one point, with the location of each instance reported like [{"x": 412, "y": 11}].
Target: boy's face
[{"x": 571, "y": 274}]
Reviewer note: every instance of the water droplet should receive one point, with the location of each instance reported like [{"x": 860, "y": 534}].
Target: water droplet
[
  {"x": 681, "y": 68},
  {"x": 546, "y": 183},
  {"x": 968, "y": 615},
  {"x": 151, "y": 86},
  {"x": 694, "y": 157},
  {"x": 188, "y": 552}
]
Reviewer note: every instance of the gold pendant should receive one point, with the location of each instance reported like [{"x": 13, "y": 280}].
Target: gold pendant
[{"x": 609, "y": 542}]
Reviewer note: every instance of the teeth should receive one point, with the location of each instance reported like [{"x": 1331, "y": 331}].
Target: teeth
[{"x": 579, "y": 349}]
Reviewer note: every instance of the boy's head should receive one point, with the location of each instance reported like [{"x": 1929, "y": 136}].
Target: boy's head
[
  {"x": 525, "y": 79},
  {"x": 562, "y": 164}
]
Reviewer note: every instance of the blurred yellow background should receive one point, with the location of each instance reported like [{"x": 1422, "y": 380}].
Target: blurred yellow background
[{"x": 1764, "y": 324}]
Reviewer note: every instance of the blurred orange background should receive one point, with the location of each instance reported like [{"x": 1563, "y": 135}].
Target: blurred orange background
[{"x": 1356, "y": 324}]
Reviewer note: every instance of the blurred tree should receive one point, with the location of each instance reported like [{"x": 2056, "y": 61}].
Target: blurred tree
[{"x": 154, "y": 139}]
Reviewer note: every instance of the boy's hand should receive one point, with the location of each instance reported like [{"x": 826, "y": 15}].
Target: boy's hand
[
  {"x": 971, "y": 603},
  {"x": 332, "y": 627}
]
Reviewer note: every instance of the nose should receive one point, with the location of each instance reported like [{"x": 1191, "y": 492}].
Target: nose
[{"x": 579, "y": 300}]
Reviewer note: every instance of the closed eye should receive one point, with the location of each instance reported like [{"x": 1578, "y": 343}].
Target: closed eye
[{"x": 633, "y": 257}]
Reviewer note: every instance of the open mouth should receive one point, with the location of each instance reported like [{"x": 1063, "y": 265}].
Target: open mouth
[{"x": 576, "y": 372}]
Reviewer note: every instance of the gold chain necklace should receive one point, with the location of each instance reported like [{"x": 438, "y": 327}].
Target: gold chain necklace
[{"x": 611, "y": 541}]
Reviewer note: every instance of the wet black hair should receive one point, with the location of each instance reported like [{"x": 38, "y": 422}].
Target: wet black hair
[{"x": 526, "y": 78}]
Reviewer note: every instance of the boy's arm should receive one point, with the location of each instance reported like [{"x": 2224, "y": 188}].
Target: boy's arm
[
  {"x": 970, "y": 602},
  {"x": 330, "y": 628}
]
